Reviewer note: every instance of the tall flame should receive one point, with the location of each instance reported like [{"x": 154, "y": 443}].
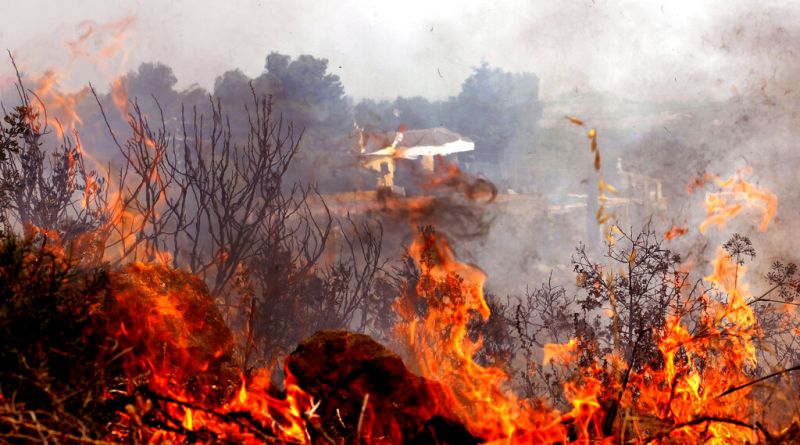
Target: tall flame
[
  {"x": 444, "y": 350},
  {"x": 684, "y": 396}
]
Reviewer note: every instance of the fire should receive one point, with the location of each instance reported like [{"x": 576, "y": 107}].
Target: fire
[
  {"x": 116, "y": 32},
  {"x": 180, "y": 373},
  {"x": 187, "y": 420},
  {"x": 675, "y": 232},
  {"x": 119, "y": 94},
  {"x": 560, "y": 352},
  {"x": 99, "y": 44},
  {"x": 444, "y": 350},
  {"x": 242, "y": 397},
  {"x": 685, "y": 397},
  {"x": 723, "y": 342},
  {"x": 53, "y": 109},
  {"x": 61, "y": 106},
  {"x": 698, "y": 182},
  {"x": 179, "y": 339},
  {"x": 735, "y": 195},
  {"x": 603, "y": 217}
]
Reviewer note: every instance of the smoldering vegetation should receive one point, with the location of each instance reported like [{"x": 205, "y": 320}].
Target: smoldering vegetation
[
  {"x": 257, "y": 188},
  {"x": 524, "y": 145}
]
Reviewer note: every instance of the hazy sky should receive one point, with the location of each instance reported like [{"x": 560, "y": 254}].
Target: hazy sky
[{"x": 638, "y": 49}]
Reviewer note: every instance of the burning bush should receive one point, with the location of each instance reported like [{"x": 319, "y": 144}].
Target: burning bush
[
  {"x": 123, "y": 355},
  {"x": 152, "y": 305}
]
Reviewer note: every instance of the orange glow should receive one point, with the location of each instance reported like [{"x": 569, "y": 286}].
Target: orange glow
[
  {"x": 187, "y": 420},
  {"x": 242, "y": 397},
  {"x": 181, "y": 348},
  {"x": 675, "y": 232},
  {"x": 119, "y": 94},
  {"x": 562, "y": 353},
  {"x": 114, "y": 35},
  {"x": 699, "y": 182},
  {"x": 61, "y": 107},
  {"x": 444, "y": 350},
  {"x": 178, "y": 337},
  {"x": 735, "y": 195},
  {"x": 677, "y": 393}
]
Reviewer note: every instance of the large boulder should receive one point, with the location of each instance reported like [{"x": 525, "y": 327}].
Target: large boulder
[
  {"x": 175, "y": 331},
  {"x": 342, "y": 369}
]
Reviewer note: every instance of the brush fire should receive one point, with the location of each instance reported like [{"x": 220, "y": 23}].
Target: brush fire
[{"x": 192, "y": 267}]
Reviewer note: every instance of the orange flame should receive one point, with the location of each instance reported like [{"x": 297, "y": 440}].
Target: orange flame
[
  {"x": 699, "y": 363},
  {"x": 737, "y": 194},
  {"x": 444, "y": 350},
  {"x": 161, "y": 322},
  {"x": 675, "y": 232},
  {"x": 563, "y": 353},
  {"x": 178, "y": 337}
]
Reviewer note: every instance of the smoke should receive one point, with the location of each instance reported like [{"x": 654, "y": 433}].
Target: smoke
[
  {"x": 725, "y": 98},
  {"x": 634, "y": 49},
  {"x": 675, "y": 89},
  {"x": 760, "y": 124}
]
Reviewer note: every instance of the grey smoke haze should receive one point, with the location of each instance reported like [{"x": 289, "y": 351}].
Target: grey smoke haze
[
  {"x": 713, "y": 83},
  {"x": 653, "y": 50}
]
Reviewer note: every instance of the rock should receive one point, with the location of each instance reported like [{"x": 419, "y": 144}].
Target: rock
[
  {"x": 789, "y": 435},
  {"x": 174, "y": 329},
  {"x": 340, "y": 369}
]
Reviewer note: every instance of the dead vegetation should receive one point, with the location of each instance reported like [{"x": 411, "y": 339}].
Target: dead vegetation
[{"x": 153, "y": 300}]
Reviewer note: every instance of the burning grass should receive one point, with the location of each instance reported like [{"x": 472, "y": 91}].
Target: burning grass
[
  {"x": 156, "y": 311},
  {"x": 141, "y": 354}
]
